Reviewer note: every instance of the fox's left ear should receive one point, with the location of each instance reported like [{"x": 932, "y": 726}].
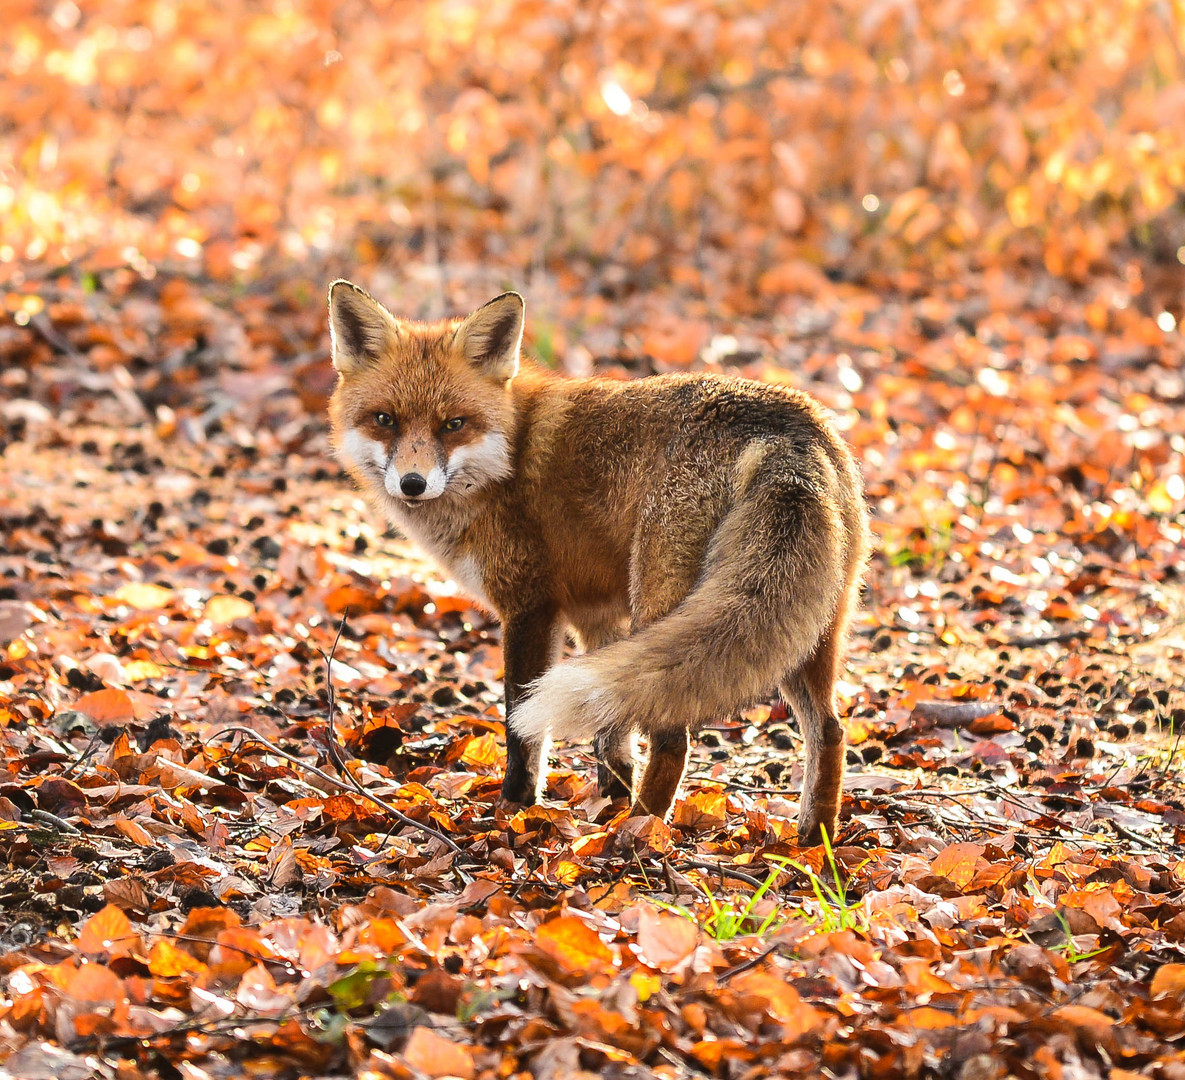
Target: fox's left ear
[
  {"x": 361, "y": 330},
  {"x": 491, "y": 336}
]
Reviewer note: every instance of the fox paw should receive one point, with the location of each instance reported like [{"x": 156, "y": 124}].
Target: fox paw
[
  {"x": 520, "y": 790},
  {"x": 613, "y": 783},
  {"x": 810, "y": 831}
]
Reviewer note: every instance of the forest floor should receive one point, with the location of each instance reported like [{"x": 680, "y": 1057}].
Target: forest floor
[{"x": 193, "y": 887}]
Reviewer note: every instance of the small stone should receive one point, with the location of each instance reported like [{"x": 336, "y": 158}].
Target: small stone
[
  {"x": 444, "y": 695},
  {"x": 781, "y": 739},
  {"x": 268, "y": 547}
]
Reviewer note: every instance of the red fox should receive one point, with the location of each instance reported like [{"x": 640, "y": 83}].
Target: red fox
[{"x": 704, "y": 536}]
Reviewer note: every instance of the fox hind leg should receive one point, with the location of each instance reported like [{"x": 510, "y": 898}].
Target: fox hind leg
[
  {"x": 664, "y": 772},
  {"x": 810, "y": 692}
]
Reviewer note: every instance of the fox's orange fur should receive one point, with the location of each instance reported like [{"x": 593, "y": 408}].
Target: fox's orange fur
[{"x": 704, "y": 536}]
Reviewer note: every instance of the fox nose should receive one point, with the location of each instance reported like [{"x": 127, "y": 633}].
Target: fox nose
[{"x": 413, "y": 484}]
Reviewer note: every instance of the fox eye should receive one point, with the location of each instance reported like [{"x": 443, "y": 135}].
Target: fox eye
[
  {"x": 384, "y": 419},
  {"x": 455, "y": 424}
]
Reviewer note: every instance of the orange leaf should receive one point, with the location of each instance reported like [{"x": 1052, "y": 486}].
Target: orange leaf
[
  {"x": 647, "y": 832},
  {"x": 702, "y": 810},
  {"x": 239, "y": 949},
  {"x": 132, "y": 830},
  {"x": 1097, "y": 1023},
  {"x": 958, "y": 863},
  {"x": 1168, "y": 981},
  {"x": 436, "y": 1056},
  {"x": 573, "y": 944},
  {"x": 353, "y": 599},
  {"x": 664, "y": 940},
  {"x": 205, "y": 923},
  {"x": 711, "y": 1052},
  {"x": 925, "y": 1016},
  {"x": 384, "y": 935},
  {"x": 481, "y": 751},
  {"x": 781, "y": 1001},
  {"x": 107, "y": 706},
  {"x": 109, "y": 933},
  {"x": 97, "y": 985},
  {"x": 166, "y": 961},
  {"x": 342, "y": 808}
]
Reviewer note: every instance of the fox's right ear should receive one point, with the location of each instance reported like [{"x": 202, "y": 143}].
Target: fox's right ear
[{"x": 361, "y": 330}]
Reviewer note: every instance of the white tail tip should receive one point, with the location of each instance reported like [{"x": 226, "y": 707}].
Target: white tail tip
[{"x": 568, "y": 702}]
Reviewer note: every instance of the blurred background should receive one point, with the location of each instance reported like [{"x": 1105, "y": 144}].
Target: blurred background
[
  {"x": 734, "y": 154},
  {"x": 943, "y": 217}
]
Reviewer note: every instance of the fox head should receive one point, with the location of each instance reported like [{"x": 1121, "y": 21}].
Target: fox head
[{"x": 423, "y": 410}]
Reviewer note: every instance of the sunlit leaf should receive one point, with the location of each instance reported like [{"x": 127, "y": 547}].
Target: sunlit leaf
[
  {"x": 573, "y": 944},
  {"x": 108, "y": 933}
]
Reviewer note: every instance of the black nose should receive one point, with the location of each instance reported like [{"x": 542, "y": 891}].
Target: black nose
[{"x": 413, "y": 484}]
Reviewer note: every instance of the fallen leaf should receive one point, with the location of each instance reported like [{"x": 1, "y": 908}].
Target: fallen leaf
[
  {"x": 437, "y": 1056},
  {"x": 222, "y": 610},
  {"x": 1168, "y": 981},
  {"x": 108, "y": 933},
  {"x": 573, "y": 944},
  {"x": 107, "y": 706},
  {"x": 665, "y": 940}
]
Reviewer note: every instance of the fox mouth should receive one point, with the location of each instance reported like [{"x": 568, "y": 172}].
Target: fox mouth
[{"x": 416, "y": 500}]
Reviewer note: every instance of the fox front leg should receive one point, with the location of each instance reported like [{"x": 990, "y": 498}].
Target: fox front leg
[{"x": 530, "y": 644}]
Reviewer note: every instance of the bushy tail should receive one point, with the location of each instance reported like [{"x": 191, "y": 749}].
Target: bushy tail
[{"x": 776, "y": 572}]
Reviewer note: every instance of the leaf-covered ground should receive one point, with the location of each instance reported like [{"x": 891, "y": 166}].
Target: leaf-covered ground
[
  {"x": 180, "y": 554},
  {"x": 957, "y": 225}
]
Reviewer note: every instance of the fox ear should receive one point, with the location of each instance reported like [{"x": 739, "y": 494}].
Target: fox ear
[
  {"x": 491, "y": 336},
  {"x": 360, "y": 328}
]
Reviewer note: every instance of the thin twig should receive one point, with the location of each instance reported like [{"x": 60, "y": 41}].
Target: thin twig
[
  {"x": 1169, "y": 757},
  {"x": 745, "y": 965},
  {"x": 45, "y": 818},
  {"x": 267, "y": 744},
  {"x": 83, "y": 754},
  {"x": 1046, "y": 639},
  {"x": 911, "y": 793},
  {"x": 1147, "y": 843},
  {"x": 339, "y": 761},
  {"x": 49, "y": 332},
  {"x": 722, "y": 870}
]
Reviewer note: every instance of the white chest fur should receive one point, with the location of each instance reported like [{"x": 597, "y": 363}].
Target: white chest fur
[
  {"x": 436, "y": 540},
  {"x": 467, "y": 574}
]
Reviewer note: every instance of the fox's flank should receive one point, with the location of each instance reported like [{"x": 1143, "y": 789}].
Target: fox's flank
[{"x": 704, "y": 538}]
